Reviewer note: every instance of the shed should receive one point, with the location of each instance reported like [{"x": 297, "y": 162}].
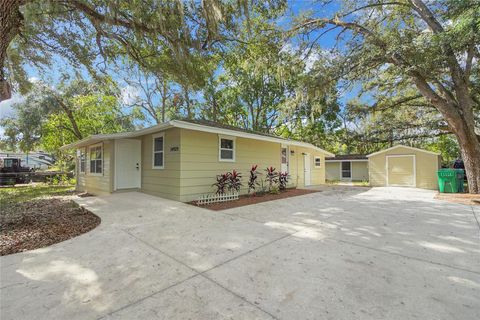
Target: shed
[
  {"x": 349, "y": 167},
  {"x": 404, "y": 166}
]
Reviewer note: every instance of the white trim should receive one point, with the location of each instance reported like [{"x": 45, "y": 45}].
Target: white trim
[
  {"x": 402, "y": 146},
  {"x": 220, "y": 137},
  {"x": 345, "y": 160},
  {"x": 315, "y": 161},
  {"x": 414, "y": 170},
  {"x": 90, "y": 173},
  {"x": 308, "y": 157},
  {"x": 155, "y": 136},
  {"x": 192, "y": 126}
]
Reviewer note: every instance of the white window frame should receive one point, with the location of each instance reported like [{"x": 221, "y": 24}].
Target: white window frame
[
  {"x": 90, "y": 159},
  {"x": 315, "y": 162},
  {"x": 84, "y": 160},
  {"x": 220, "y": 137},
  {"x": 155, "y": 136}
]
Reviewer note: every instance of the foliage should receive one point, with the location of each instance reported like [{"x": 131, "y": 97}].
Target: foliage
[
  {"x": 415, "y": 54},
  {"x": 283, "y": 180},
  {"x": 234, "y": 181},
  {"x": 271, "y": 177},
  {"x": 50, "y": 118},
  {"x": 252, "y": 180},
  {"x": 222, "y": 182},
  {"x": 274, "y": 190},
  {"x": 61, "y": 179},
  {"x": 231, "y": 181}
]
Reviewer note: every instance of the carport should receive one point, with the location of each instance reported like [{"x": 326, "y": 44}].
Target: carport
[{"x": 404, "y": 166}]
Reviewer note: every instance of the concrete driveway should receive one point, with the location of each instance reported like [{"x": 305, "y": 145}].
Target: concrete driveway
[{"x": 344, "y": 253}]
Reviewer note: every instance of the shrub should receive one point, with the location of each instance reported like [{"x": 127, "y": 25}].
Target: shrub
[
  {"x": 274, "y": 190},
  {"x": 234, "y": 181},
  {"x": 252, "y": 180},
  {"x": 222, "y": 182},
  {"x": 282, "y": 180},
  {"x": 271, "y": 177}
]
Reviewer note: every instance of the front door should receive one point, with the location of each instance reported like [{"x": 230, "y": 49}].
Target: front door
[
  {"x": 284, "y": 159},
  {"x": 346, "y": 170},
  {"x": 306, "y": 168},
  {"x": 127, "y": 157}
]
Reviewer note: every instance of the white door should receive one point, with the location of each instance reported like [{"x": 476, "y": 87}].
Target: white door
[
  {"x": 306, "y": 168},
  {"x": 128, "y": 169},
  {"x": 284, "y": 158},
  {"x": 401, "y": 170}
]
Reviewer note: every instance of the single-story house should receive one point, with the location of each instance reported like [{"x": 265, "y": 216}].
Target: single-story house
[
  {"x": 180, "y": 159},
  {"x": 350, "y": 167},
  {"x": 404, "y": 166}
]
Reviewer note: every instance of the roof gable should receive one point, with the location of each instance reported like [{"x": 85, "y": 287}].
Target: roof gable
[{"x": 402, "y": 146}]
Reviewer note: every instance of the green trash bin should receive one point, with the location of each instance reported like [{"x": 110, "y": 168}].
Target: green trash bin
[
  {"x": 448, "y": 181},
  {"x": 460, "y": 178}
]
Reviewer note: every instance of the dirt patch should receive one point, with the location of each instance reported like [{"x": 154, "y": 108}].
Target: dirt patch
[
  {"x": 42, "y": 222},
  {"x": 246, "y": 200},
  {"x": 463, "y": 198}
]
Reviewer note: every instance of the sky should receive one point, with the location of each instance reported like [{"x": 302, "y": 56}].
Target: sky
[{"x": 128, "y": 93}]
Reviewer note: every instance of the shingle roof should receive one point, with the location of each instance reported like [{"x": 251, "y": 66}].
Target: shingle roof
[
  {"x": 229, "y": 127},
  {"x": 348, "y": 157}
]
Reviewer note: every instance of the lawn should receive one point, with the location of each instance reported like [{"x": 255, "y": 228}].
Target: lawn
[
  {"x": 18, "y": 194},
  {"x": 39, "y": 215}
]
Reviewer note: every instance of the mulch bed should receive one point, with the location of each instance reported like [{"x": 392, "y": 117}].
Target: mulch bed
[
  {"x": 42, "y": 222},
  {"x": 246, "y": 200},
  {"x": 462, "y": 198}
]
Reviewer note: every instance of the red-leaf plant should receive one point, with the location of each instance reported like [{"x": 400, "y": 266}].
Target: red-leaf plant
[
  {"x": 222, "y": 182},
  {"x": 234, "y": 181},
  {"x": 283, "y": 180},
  {"x": 271, "y": 177},
  {"x": 252, "y": 181}
]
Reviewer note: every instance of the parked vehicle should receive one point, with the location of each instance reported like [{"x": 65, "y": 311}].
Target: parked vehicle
[{"x": 12, "y": 171}]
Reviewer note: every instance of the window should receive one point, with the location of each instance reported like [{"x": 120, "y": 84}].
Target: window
[
  {"x": 318, "y": 162},
  {"x": 96, "y": 159},
  {"x": 226, "y": 149},
  {"x": 82, "y": 159},
  {"x": 158, "y": 151}
]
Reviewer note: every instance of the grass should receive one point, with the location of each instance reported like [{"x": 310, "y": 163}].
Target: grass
[
  {"x": 363, "y": 183},
  {"x": 18, "y": 194}
]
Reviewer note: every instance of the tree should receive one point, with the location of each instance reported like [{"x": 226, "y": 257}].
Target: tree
[
  {"x": 259, "y": 77},
  {"x": 49, "y": 118},
  {"x": 430, "y": 47},
  {"x": 35, "y": 31}
]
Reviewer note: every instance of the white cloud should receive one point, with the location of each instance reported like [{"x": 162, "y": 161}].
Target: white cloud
[
  {"x": 130, "y": 94},
  {"x": 6, "y": 109}
]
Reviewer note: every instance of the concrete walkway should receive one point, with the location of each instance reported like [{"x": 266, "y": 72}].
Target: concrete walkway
[{"x": 343, "y": 253}]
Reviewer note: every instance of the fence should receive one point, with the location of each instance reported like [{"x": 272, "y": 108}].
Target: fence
[{"x": 214, "y": 198}]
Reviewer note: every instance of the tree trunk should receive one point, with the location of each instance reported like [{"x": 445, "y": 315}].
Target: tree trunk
[
  {"x": 11, "y": 20},
  {"x": 470, "y": 148}
]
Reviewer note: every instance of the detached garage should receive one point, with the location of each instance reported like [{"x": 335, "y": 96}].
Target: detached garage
[{"x": 404, "y": 166}]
